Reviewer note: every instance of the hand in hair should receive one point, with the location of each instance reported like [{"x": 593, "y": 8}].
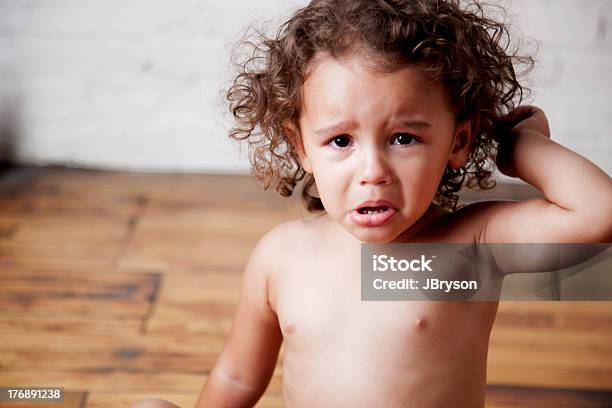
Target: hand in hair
[{"x": 522, "y": 119}]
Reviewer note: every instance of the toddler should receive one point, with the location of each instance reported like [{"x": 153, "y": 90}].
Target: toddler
[{"x": 384, "y": 110}]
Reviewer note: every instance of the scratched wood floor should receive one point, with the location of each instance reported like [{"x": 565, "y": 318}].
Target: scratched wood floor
[{"x": 121, "y": 286}]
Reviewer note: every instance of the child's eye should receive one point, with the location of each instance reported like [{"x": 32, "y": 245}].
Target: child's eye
[
  {"x": 340, "y": 141},
  {"x": 403, "y": 139}
]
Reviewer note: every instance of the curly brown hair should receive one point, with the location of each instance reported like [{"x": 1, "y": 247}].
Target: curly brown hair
[{"x": 457, "y": 45}]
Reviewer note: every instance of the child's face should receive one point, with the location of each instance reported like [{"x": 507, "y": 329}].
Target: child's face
[{"x": 392, "y": 137}]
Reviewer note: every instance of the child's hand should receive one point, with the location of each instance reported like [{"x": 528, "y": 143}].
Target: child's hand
[
  {"x": 528, "y": 118},
  {"x": 524, "y": 119}
]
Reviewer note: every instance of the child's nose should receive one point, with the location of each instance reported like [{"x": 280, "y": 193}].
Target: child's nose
[{"x": 375, "y": 168}]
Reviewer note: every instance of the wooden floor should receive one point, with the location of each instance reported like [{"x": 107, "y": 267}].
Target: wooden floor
[{"x": 122, "y": 286}]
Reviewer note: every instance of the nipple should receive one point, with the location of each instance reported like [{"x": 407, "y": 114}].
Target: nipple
[
  {"x": 289, "y": 328},
  {"x": 420, "y": 323}
]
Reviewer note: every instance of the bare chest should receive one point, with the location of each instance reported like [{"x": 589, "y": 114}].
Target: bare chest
[
  {"x": 341, "y": 351},
  {"x": 319, "y": 308}
]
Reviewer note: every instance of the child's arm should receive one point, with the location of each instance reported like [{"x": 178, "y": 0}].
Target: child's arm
[
  {"x": 578, "y": 195},
  {"x": 243, "y": 370}
]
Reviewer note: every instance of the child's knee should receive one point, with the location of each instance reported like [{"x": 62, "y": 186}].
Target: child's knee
[{"x": 153, "y": 403}]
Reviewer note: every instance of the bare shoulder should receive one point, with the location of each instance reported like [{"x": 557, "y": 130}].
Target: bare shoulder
[
  {"x": 293, "y": 234},
  {"x": 282, "y": 246}
]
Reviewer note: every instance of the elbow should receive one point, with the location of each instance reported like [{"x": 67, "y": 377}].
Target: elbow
[
  {"x": 234, "y": 381},
  {"x": 223, "y": 388},
  {"x": 595, "y": 233},
  {"x": 605, "y": 221},
  {"x": 595, "y": 215}
]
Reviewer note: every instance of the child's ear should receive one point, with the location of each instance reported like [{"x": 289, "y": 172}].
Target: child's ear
[
  {"x": 293, "y": 135},
  {"x": 462, "y": 141}
]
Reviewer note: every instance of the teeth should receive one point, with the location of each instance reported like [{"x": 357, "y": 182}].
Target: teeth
[{"x": 371, "y": 210}]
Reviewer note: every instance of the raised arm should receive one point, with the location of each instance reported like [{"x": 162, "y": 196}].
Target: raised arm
[
  {"x": 577, "y": 207},
  {"x": 243, "y": 370}
]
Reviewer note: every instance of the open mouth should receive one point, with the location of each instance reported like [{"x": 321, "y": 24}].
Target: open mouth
[
  {"x": 373, "y": 216},
  {"x": 373, "y": 210}
]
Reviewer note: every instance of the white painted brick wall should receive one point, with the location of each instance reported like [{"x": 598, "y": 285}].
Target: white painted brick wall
[{"x": 136, "y": 84}]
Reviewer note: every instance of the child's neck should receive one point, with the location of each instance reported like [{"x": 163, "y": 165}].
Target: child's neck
[{"x": 433, "y": 213}]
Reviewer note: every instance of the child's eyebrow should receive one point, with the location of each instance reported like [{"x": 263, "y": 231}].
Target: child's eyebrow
[
  {"x": 344, "y": 124},
  {"x": 348, "y": 124}
]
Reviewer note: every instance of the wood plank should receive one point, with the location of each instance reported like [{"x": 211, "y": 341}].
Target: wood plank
[
  {"x": 117, "y": 381},
  {"x": 552, "y": 344},
  {"x": 99, "y": 399},
  {"x": 170, "y": 191},
  {"x": 119, "y": 353},
  {"x": 101, "y": 266},
  {"x": 196, "y": 304},
  {"x": 556, "y": 339},
  {"x": 225, "y": 253},
  {"x": 504, "y": 396},
  {"x": 63, "y": 204},
  {"x": 578, "y": 308},
  {"x": 31, "y": 237},
  {"x": 8, "y": 229},
  {"x": 26, "y": 191},
  {"x": 15, "y": 180},
  {"x": 24, "y": 325},
  {"x": 214, "y": 238},
  {"x": 177, "y": 193},
  {"x": 105, "y": 400},
  {"x": 206, "y": 320},
  {"x": 531, "y": 375},
  {"x": 547, "y": 314},
  {"x": 77, "y": 293},
  {"x": 73, "y": 223},
  {"x": 105, "y": 380},
  {"x": 58, "y": 249},
  {"x": 224, "y": 221},
  {"x": 72, "y": 236},
  {"x": 542, "y": 359}
]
